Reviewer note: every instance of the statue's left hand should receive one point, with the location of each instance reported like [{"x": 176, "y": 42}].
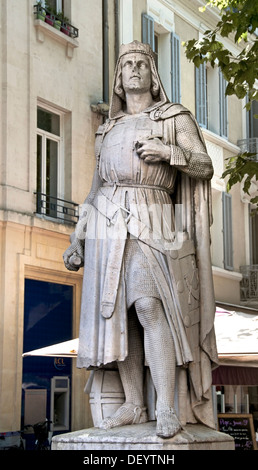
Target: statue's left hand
[{"x": 153, "y": 150}]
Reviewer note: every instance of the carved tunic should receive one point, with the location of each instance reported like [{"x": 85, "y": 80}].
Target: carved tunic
[
  {"x": 120, "y": 271},
  {"x": 145, "y": 192},
  {"x": 119, "y": 161}
]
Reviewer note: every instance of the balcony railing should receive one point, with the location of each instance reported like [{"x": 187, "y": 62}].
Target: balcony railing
[
  {"x": 250, "y": 146},
  {"x": 249, "y": 283},
  {"x": 64, "y": 211},
  {"x": 56, "y": 21}
]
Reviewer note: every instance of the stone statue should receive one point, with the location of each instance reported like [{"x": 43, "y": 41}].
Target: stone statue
[{"x": 147, "y": 277}]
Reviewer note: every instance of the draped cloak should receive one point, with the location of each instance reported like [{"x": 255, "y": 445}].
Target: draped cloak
[{"x": 121, "y": 208}]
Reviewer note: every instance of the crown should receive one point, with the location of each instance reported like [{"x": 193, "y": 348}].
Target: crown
[{"x": 135, "y": 46}]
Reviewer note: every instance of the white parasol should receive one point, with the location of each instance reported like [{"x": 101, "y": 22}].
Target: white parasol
[
  {"x": 65, "y": 349},
  {"x": 236, "y": 335}
]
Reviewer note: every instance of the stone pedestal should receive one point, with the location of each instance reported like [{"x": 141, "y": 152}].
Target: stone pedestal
[{"x": 143, "y": 437}]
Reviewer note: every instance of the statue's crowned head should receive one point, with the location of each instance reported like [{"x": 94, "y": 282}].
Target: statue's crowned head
[
  {"x": 134, "y": 47},
  {"x": 118, "y": 95}
]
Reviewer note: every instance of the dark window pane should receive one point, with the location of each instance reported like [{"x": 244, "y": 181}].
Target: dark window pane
[
  {"x": 51, "y": 4},
  {"x": 51, "y": 169},
  {"x": 227, "y": 231},
  {"x": 254, "y": 238},
  {"x": 48, "y": 311},
  {"x": 54, "y": 6},
  {"x": 156, "y": 49},
  {"x": 49, "y": 122},
  {"x": 39, "y": 163},
  {"x": 51, "y": 177}
]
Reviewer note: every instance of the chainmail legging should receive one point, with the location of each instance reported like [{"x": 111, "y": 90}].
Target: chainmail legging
[
  {"x": 131, "y": 374},
  {"x": 159, "y": 349},
  {"x": 160, "y": 355}
]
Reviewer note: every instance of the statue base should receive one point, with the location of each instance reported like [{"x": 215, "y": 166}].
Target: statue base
[{"x": 143, "y": 437}]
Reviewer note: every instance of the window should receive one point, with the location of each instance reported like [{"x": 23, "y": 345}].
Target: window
[
  {"x": 250, "y": 144},
  {"x": 223, "y": 106},
  {"x": 236, "y": 398},
  {"x": 52, "y": 13},
  {"x": 227, "y": 231},
  {"x": 217, "y": 243},
  {"x": 201, "y": 95},
  {"x": 175, "y": 68},
  {"x": 53, "y": 186},
  {"x": 211, "y": 101},
  {"x": 252, "y": 123},
  {"x": 49, "y": 184},
  {"x": 254, "y": 238},
  {"x": 148, "y": 31},
  {"x": 164, "y": 44},
  {"x": 156, "y": 49},
  {"x": 53, "y": 5}
]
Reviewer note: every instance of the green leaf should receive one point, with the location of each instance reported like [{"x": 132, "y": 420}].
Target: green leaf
[
  {"x": 223, "y": 57},
  {"x": 254, "y": 200},
  {"x": 197, "y": 61},
  {"x": 216, "y": 46},
  {"x": 230, "y": 89},
  {"x": 240, "y": 91}
]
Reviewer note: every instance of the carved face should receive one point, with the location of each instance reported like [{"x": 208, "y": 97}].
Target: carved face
[{"x": 136, "y": 73}]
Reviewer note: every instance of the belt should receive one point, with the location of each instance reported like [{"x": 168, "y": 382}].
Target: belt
[{"x": 134, "y": 185}]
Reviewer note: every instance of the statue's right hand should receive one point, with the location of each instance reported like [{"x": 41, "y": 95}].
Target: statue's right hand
[{"x": 73, "y": 256}]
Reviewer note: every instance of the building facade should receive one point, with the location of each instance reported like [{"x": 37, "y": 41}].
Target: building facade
[
  {"x": 49, "y": 79},
  {"x": 56, "y": 80}
]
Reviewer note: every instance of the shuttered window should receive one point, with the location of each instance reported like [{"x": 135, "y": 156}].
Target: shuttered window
[
  {"x": 227, "y": 231},
  {"x": 223, "y": 106},
  {"x": 201, "y": 95},
  {"x": 175, "y": 68},
  {"x": 148, "y": 30},
  {"x": 149, "y": 37}
]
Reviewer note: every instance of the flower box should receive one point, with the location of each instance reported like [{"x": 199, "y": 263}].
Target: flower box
[
  {"x": 57, "y": 20},
  {"x": 65, "y": 29},
  {"x": 50, "y": 19},
  {"x": 41, "y": 15},
  {"x": 57, "y": 24}
]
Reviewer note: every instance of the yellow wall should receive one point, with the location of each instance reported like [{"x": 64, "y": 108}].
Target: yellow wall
[{"x": 34, "y": 253}]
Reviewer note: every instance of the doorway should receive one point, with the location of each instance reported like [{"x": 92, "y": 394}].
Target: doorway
[{"x": 46, "y": 381}]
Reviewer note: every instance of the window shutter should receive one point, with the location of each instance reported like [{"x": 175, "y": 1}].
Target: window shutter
[
  {"x": 148, "y": 30},
  {"x": 175, "y": 68},
  {"x": 227, "y": 231},
  {"x": 201, "y": 95},
  {"x": 223, "y": 106}
]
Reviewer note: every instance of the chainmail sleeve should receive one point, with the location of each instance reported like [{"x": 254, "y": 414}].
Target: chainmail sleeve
[{"x": 189, "y": 153}]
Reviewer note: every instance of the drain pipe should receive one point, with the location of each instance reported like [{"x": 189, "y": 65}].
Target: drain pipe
[
  {"x": 116, "y": 29},
  {"x": 105, "y": 49}
]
